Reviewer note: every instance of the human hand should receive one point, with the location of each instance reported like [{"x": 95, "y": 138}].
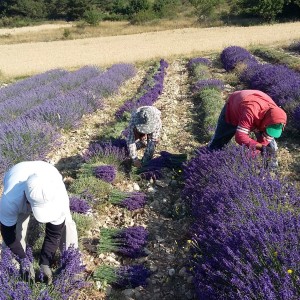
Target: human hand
[
  {"x": 46, "y": 271},
  {"x": 137, "y": 163}
]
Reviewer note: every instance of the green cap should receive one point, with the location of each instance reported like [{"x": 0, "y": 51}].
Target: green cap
[{"x": 274, "y": 130}]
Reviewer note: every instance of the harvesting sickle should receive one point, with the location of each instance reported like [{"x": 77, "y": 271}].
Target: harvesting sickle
[
  {"x": 249, "y": 111},
  {"x": 36, "y": 188}
]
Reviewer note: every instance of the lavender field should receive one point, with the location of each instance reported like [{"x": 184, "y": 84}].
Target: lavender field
[{"x": 192, "y": 224}]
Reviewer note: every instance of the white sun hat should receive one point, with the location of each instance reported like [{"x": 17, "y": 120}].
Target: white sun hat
[{"x": 43, "y": 194}]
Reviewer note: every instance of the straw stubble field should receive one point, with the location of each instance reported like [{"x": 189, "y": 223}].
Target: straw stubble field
[{"x": 30, "y": 58}]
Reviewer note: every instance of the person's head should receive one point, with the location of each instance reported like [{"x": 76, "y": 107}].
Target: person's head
[
  {"x": 145, "y": 120},
  {"x": 41, "y": 193},
  {"x": 275, "y": 121}
]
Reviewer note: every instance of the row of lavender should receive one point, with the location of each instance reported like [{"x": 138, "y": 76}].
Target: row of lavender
[
  {"x": 35, "y": 109},
  {"x": 278, "y": 81},
  {"x": 33, "y": 112},
  {"x": 96, "y": 183},
  {"x": 245, "y": 238},
  {"x": 246, "y": 242}
]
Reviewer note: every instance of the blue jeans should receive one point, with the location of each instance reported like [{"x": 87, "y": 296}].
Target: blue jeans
[{"x": 223, "y": 134}]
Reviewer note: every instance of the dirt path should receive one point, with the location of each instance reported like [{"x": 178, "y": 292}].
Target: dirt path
[{"x": 32, "y": 58}]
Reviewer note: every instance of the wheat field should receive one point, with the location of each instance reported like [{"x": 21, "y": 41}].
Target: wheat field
[{"x": 31, "y": 58}]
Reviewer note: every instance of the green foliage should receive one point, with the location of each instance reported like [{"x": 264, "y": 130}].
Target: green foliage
[
  {"x": 98, "y": 188},
  {"x": 83, "y": 223},
  {"x": 166, "y": 8},
  {"x": 143, "y": 16},
  {"x": 278, "y": 57},
  {"x": 266, "y": 9},
  {"x": 93, "y": 16},
  {"x": 136, "y": 6},
  {"x": 206, "y": 10}
]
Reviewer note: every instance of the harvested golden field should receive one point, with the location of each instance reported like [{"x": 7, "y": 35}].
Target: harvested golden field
[{"x": 31, "y": 58}]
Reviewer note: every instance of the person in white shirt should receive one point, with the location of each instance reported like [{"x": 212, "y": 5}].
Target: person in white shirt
[{"x": 36, "y": 187}]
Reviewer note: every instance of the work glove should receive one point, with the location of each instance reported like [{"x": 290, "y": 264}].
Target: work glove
[
  {"x": 268, "y": 150},
  {"x": 26, "y": 270},
  {"x": 47, "y": 273}
]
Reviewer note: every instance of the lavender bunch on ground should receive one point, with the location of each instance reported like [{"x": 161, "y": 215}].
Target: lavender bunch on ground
[
  {"x": 107, "y": 173},
  {"x": 129, "y": 200},
  {"x": 79, "y": 205},
  {"x": 127, "y": 241},
  {"x": 123, "y": 277}
]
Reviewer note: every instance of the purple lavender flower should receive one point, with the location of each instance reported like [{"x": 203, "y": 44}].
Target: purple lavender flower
[
  {"x": 107, "y": 173},
  {"x": 79, "y": 205},
  {"x": 114, "y": 148},
  {"x": 245, "y": 244},
  {"x": 69, "y": 280},
  {"x": 208, "y": 83},
  {"x": 129, "y": 200},
  {"x": 233, "y": 55},
  {"x": 198, "y": 60},
  {"x": 127, "y": 241},
  {"x": 132, "y": 276}
]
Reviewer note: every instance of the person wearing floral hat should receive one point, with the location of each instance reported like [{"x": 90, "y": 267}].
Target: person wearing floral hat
[
  {"x": 36, "y": 188},
  {"x": 249, "y": 111},
  {"x": 144, "y": 131}
]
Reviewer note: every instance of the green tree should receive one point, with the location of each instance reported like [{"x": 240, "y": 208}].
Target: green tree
[
  {"x": 165, "y": 8},
  {"x": 136, "y": 6},
  {"x": 77, "y": 8},
  {"x": 266, "y": 9},
  {"x": 24, "y": 8},
  {"x": 206, "y": 9}
]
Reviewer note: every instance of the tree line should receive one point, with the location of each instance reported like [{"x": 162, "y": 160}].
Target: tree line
[{"x": 94, "y": 11}]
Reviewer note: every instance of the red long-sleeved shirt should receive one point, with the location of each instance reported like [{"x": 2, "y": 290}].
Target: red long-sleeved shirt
[{"x": 253, "y": 111}]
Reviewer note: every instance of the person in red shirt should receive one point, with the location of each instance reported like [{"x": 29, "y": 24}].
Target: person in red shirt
[{"x": 249, "y": 111}]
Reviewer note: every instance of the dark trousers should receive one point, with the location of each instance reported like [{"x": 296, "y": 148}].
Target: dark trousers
[{"x": 223, "y": 134}]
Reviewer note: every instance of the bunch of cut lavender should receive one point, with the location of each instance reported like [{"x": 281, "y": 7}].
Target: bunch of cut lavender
[
  {"x": 107, "y": 173},
  {"x": 123, "y": 277},
  {"x": 129, "y": 200},
  {"x": 127, "y": 241},
  {"x": 79, "y": 205}
]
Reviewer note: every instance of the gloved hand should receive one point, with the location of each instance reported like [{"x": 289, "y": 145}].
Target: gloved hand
[
  {"x": 45, "y": 269},
  {"x": 268, "y": 150},
  {"x": 26, "y": 270}
]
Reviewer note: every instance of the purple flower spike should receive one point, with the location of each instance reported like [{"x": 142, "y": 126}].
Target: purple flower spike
[
  {"x": 79, "y": 205},
  {"x": 107, "y": 173},
  {"x": 133, "y": 201},
  {"x": 131, "y": 241},
  {"x": 132, "y": 276}
]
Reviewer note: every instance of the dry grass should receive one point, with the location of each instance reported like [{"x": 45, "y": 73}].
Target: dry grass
[{"x": 65, "y": 31}]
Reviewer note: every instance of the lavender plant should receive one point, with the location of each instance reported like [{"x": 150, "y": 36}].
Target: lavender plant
[
  {"x": 208, "y": 84},
  {"x": 234, "y": 55},
  {"x": 79, "y": 205},
  {"x": 122, "y": 277},
  {"x": 107, "y": 173},
  {"x": 127, "y": 241},
  {"x": 245, "y": 238},
  {"x": 115, "y": 149},
  {"x": 129, "y": 200},
  {"x": 148, "y": 93},
  {"x": 66, "y": 284}
]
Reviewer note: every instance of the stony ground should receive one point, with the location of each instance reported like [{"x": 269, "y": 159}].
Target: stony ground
[{"x": 163, "y": 215}]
